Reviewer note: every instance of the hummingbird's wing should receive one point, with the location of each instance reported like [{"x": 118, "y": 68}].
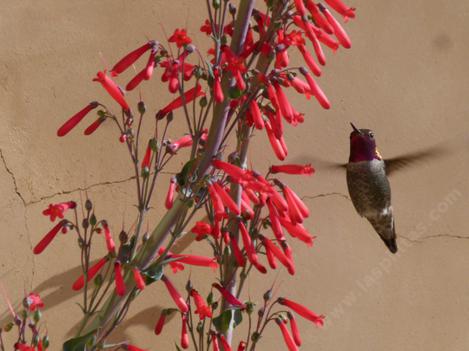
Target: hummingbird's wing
[{"x": 407, "y": 160}]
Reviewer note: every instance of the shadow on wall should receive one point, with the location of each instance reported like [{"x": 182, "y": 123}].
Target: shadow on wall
[{"x": 61, "y": 286}]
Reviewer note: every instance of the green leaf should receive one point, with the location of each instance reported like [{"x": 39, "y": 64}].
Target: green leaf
[
  {"x": 81, "y": 343},
  {"x": 153, "y": 274},
  {"x": 222, "y": 322}
]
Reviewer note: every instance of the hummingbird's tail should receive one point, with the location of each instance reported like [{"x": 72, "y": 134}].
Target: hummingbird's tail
[{"x": 384, "y": 226}]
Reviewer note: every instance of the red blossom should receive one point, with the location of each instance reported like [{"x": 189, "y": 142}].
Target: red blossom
[
  {"x": 239, "y": 257},
  {"x": 184, "y": 334},
  {"x": 229, "y": 297},
  {"x": 160, "y": 323},
  {"x": 57, "y": 210},
  {"x": 75, "y": 119},
  {"x": 339, "y": 32},
  {"x": 182, "y": 142},
  {"x": 250, "y": 249},
  {"x": 318, "y": 18},
  {"x": 34, "y": 302},
  {"x": 297, "y": 231},
  {"x": 175, "y": 295},
  {"x": 256, "y": 114},
  {"x": 292, "y": 169},
  {"x": 46, "y": 240},
  {"x": 294, "y": 329},
  {"x": 119, "y": 279},
  {"x": 178, "y": 102},
  {"x": 147, "y": 158},
  {"x": 139, "y": 282},
  {"x": 201, "y": 229},
  {"x": 274, "y": 142},
  {"x": 203, "y": 310},
  {"x": 92, "y": 271},
  {"x": 302, "y": 311},
  {"x": 130, "y": 58},
  {"x": 111, "y": 246},
  {"x": 313, "y": 66},
  {"x": 316, "y": 90},
  {"x": 180, "y": 38},
  {"x": 170, "y": 194},
  {"x": 226, "y": 199},
  {"x": 93, "y": 126},
  {"x": 112, "y": 88},
  {"x": 215, "y": 345},
  {"x": 286, "y": 335},
  {"x": 279, "y": 254}
]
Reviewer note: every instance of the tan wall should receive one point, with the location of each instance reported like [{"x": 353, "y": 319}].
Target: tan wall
[{"x": 406, "y": 77}]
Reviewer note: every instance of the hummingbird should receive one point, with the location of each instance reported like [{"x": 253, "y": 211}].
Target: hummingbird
[{"x": 368, "y": 184}]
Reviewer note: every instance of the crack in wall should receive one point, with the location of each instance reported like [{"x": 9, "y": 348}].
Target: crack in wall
[
  {"x": 435, "y": 236},
  {"x": 312, "y": 197},
  {"x": 13, "y": 178}
]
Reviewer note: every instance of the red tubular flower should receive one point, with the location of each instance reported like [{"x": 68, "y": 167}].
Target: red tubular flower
[
  {"x": 170, "y": 194},
  {"x": 279, "y": 202},
  {"x": 318, "y": 18},
  {"x": 217, "y": 89},
  {"x": 316, "y": 90},
  {"x": 201, "y": 229},
  {"x": 195, "y": 260},
  {"x": 92, "y": 271},
  {"x": 203, "y": 310},
  {"x": 226, "y": 199},
  {"x": 224, "y": 343},
  {"x": 112, "y": 88},
  {"x": 270, "y": 257},
  {"x": 339, "y": 32},
  {"x": 286, "y": 335},
  {"x": 237, "y": 174},
  {"x": 294, "y": 329},
  {"x": 160, "y": 323},
  {"x": 284, "y": 104},
  {"x": 182, "y": 142},
  {"x": 93, "y": 126},
  {"x": 119, "y": 279},
  {"x": 341, "y": 8},
  {"x": 239, "y": 257},
  {"x": 34, "y": 302},
  {"x": 130, "y": 58},
  {"x": 175, "y": 295},
  {"x": 278, "y": 253},
  {"x": 180, "y": 38},
  {"x": 111, "y": 247},
  {"x": 299, "y": 203},
  {"x": 135, "y": 81},
  {"x": 57, "y": 210},
  {"x": 246, "y": 208},
  {"x": 242, "y": 346},
  {"x": 297, "y": 231},
  {"x": 300, "y": 7},
  {"x": 292, "y": 169},
  {"x": 178, "y": 102},
  {"x": 176, "y": 267},
  {"x": 215, "y": 345},
  {"x": 147, "y": 158},
  {"x": 302, "y": 311},
  {"x": 46, "y": 240},
  {"x": 184, "y": 334},
  {"x": 274, "y": 142},
  {"x": 139, "y": 282},
  {"x": 313, "y": 66},
  {"x": 256, "y": 114},
  {"x": 75, "y": 119},
  {"x": 250, "y": 250},
  {"x": 294, "y": 212},
  {"x": 23, "y": 347},
  {"x": 235, "y": 65},
  {"x": 150, "y": 67},
  {"x": 274, "y": 222},
  {"x": 228, "y": 296},
  {"x": 315, "y": 41}
]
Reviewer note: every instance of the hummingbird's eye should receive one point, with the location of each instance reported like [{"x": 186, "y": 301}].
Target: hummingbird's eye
[{"x": 371, "y": 135}]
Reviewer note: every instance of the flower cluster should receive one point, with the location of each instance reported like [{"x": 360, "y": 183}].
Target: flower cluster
[{"x": 250, "y": 217}]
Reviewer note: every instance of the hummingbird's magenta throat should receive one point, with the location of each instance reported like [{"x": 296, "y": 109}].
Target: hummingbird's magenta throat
[{"x": 362, "y": 148}]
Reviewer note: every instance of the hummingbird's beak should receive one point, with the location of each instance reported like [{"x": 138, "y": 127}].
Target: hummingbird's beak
[{"x": 355, "y": 128}]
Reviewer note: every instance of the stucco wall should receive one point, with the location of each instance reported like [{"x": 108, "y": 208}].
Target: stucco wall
[{"x": 406, "y": 77}]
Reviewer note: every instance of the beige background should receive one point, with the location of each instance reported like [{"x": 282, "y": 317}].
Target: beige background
[{"x": 406, "y": 77}]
